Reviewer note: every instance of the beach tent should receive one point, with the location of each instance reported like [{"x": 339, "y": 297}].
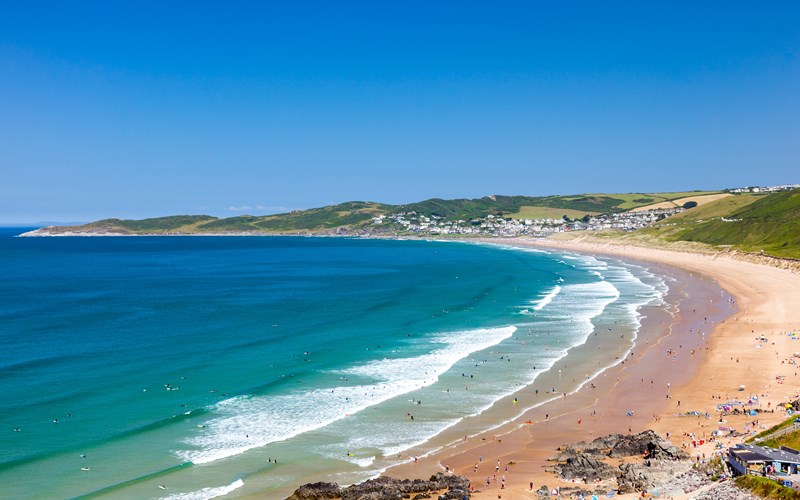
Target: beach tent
[{"x": 741, "y": 387}]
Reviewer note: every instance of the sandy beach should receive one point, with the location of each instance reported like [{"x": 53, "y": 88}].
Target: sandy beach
[{"x": 688, "y": 361}]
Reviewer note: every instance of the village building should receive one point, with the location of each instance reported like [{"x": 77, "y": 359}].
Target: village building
[{"x": 759, "y": 460}]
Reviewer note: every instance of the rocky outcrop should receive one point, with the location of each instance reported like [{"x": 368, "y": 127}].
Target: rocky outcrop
[
  {"x": 646, "y": 444},
  {"x": 585, "y": 468},
  {"x": 659, "y": 463},
  {"x": 445, "y": 486},
  {"x": 725, "y": 491},
  {"x": 317, "y": 491}
]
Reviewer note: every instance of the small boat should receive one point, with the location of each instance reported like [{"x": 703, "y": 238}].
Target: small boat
[{"x": 85, "y": 468}]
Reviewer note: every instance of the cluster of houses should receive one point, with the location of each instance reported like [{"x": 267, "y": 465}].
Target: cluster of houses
[
  {"x": 494, "y": 225},
  {"x": 764, "y": 189},
  {"x": 499, "y": 226}
]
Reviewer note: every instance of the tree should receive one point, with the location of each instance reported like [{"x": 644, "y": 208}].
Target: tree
[{"x": 690, "y": 204}]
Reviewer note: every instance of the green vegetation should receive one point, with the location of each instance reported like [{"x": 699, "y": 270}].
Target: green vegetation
[
  {"x": 548, "y": 213},
  {"x": 574, "y": 206},
  {"x": 769, "y": 224},
  {"x": 231, "y": 224},
  {"x": 629, "y": 201},
  {"x": 469, "y": 209},
  {"x": 154, "y": 225},
  {"x": 766, "y": 488},
  {"x": 357, "y": 214},
  {"x": 714, "y": 209},
  {"x": 345, "y": 214},
  {"x": 790, "y": 440},
  {"x": 510, "y": 206},
  {"x": 775, "y": 428}
]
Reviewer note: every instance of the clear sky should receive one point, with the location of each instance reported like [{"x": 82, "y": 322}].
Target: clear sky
[{"x": 165, "y": 107}]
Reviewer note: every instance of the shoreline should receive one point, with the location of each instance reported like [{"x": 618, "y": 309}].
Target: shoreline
[
  {"x": 596, "y": 407},
  {"x": 503, "y": 413},
  {"x": 767, "y": 304}
]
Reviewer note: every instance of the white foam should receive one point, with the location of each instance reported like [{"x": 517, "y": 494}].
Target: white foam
[
  {"x": 244, "y": 423},
  {"x": 207, "y": 493},
  {"x": 574, "y": 307},
  {"x": 547, "y": 298},
  {"x": 362, "y": 462}
]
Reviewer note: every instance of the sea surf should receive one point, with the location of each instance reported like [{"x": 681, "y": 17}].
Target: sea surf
[{"x": 199, "y": 367}]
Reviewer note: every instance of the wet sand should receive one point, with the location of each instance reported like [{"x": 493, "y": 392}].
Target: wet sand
[{"x": 762, "y": 299}]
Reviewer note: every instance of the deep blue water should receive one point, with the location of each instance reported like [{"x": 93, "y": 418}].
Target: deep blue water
[{"x": 151, "y": 352}]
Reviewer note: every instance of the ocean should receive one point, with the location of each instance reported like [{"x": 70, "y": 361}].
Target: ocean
[{"x": 196, "y": 367}]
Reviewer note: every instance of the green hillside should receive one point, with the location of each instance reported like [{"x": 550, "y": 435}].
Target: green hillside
[
  {"x": 345, "y": 214},
  {"x": 154, "y": 225},
  {"x": 752, "y": 223},
  {"x": 746, "y": 222},
  {"x": 576, "y": 206},
  {"x": 520, "y": 206},
  {"x": 357, "y": 214}
]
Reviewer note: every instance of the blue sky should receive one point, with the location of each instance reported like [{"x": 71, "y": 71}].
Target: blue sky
[{"x": 156, "y": 108}]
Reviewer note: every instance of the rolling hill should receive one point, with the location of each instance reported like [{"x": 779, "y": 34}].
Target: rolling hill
[
  {"x": 357, "y": 214},
  {"x": 746, "y": 222},
  {"x": 756, "y": 223},
  {"x": 770, "y": 224}
]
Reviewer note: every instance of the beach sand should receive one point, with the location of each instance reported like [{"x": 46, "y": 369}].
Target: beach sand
[{"x": 763, "y": 300}]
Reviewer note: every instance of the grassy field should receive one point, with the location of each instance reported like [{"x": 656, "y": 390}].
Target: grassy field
[
  {"x": 716, "y": 208},
  {"x": 700, "y": 200},
  {"x": 750, "y": 223},
  {"x": 635, "y": 200},
  {"x": 770, "y": 224},
  {"x": 672, "y": 226},
  {"x": 766, "y": 488},
  {"x": 548, "y": 213}
]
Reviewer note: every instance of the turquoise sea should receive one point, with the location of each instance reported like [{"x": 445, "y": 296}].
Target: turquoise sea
[{"x": 193, "y": 367}]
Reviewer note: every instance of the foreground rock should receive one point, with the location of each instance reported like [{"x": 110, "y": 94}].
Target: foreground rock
[
  {"x": 442, "y": 486},
  {"x": 725, "y": 491},
  {"x": 643, "y": 461}
]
